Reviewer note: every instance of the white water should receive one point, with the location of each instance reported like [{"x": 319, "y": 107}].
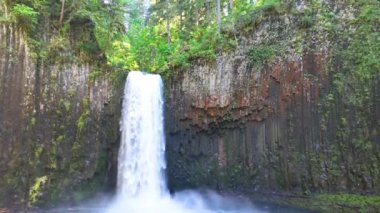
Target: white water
[
  {"x": 141, "y": 162},
  {"x": 141, "y": 180}
]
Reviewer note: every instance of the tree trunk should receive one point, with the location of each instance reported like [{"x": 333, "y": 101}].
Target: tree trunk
[
  {"x": 181, "y": 24},
  {"x": 208, "y": 8},
  {"x": 168, "y": 30},
  {"x": 196, "y": 17},
  {"x": 218, "y": 14},
  {"x": 62, "y": 12},
  {"x": 168, "y": 22}
]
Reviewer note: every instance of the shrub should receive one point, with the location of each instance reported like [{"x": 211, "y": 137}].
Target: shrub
[
  {"x": 25, "y": 16},
  {"x": 261, "y": 54}
]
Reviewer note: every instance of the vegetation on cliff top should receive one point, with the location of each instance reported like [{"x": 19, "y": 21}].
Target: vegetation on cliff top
[
  {"x": 176, "y": 32},
  {"x": 68, "y": 30}
]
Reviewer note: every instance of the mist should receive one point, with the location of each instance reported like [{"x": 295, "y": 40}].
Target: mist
[{"x": 188, "y": 201}]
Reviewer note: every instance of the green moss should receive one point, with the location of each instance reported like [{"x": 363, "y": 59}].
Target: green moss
[
  {"x": 5, "y": 20},
  {"x": 82, "y": 120},
  {"x": 353, "y": 200},
  {"x": 76, "y": 158},
  {"x": 351, "y": 203},
  {"x": 35, "y": 190},
  {"x": 86, "y": 102},
  {"x": 38, "y": 151},
  {"x": 71, "y": 92},
  {"x": 67, "y": 105},
  {"x": 355, "y": 68},
  {"x": 33, "y": 122},
  {"x": 86, "y": 190},
  {"x": 95, "y": 74},
  {"x": 59, "y": 139},
  {"x": 262, "y": 54},
  {"x": 96, "y": 183}
]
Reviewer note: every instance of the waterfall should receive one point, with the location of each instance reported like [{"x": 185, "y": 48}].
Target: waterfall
[
  {"x": 141, "y": 185},
  {"x": 142, "y": 149}
]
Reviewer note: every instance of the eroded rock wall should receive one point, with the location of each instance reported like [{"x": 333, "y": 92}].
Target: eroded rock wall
[{"x": 234, "y": 125}]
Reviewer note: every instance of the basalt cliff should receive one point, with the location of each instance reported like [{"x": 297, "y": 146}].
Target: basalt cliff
[{"x": 280, "y": 112}]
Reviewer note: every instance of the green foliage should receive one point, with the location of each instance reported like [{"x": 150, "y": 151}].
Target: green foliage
[
  {"x": 307, "y": 21},
  {"x": 247, "y": 16},
  {"x": 84, "y": 33},
  {"x": 333, "y": 202},
  {"x": 147, "y": 47},
  {"x": 354, "y": 200},
  {"x": 25, "y": 16},
  {"x": 268, "y": 4},
  {"x": 203, "y": 43},
  {"x": 145, "y": 42},
  {"x": 348, "y": 107},
  {"x": 142, "y": 49},
  {"x": 355, "y": 79},
  {"x": 262, "y": 54}
]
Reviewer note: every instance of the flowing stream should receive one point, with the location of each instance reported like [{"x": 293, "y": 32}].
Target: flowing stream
[{"x": 141, "y": 186}]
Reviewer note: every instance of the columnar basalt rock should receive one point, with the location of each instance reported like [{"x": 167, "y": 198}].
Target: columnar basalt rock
[
  {"x": 234, "y": 125},
  {"x": 57, "y": 127}
]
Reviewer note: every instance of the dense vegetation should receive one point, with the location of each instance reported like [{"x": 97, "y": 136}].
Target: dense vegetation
[
  {"x": 178, "y": 32},
  {"x": 68, "y": 30},
  {"x": 171, "y": 34}
]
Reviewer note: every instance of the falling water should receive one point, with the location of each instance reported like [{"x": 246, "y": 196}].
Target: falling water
[
  {"x": 141, "y": 155},
  {"x": 141, "y": 181}
]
